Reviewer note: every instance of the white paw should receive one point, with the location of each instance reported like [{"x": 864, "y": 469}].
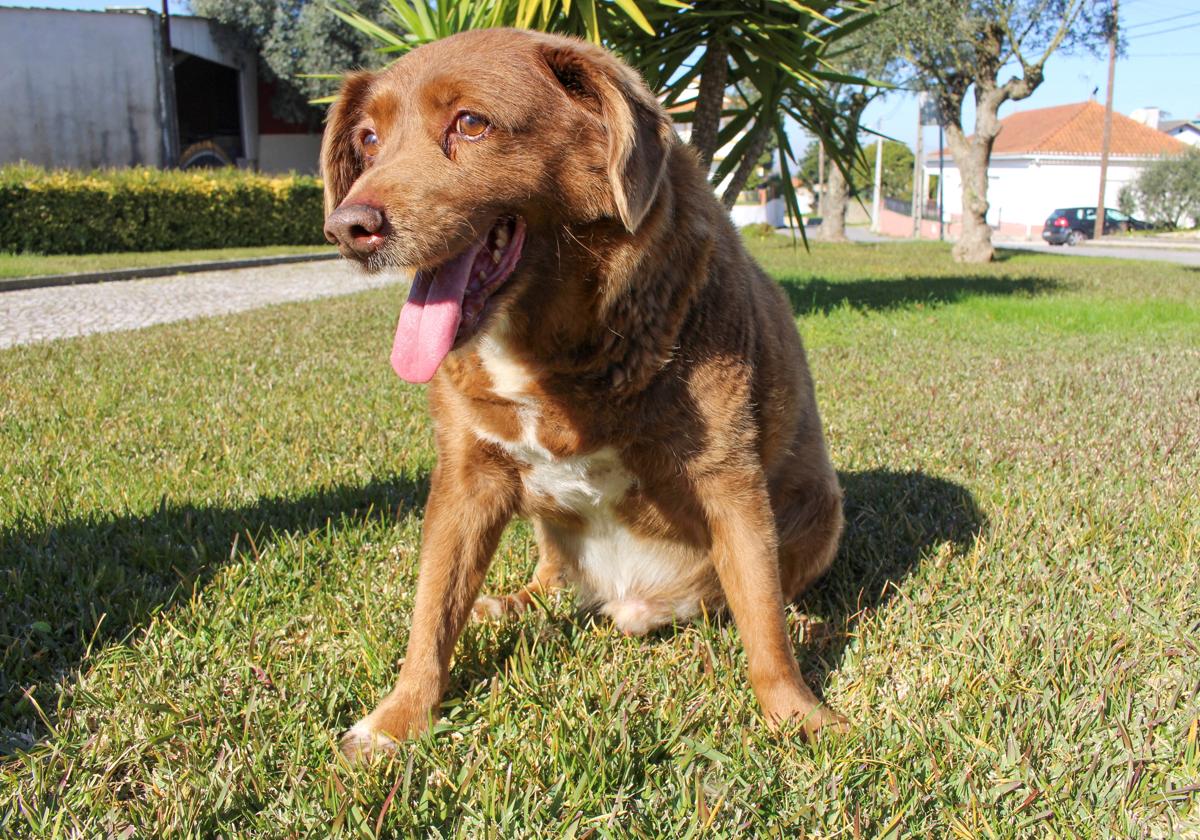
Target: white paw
[
  {"x": 488, "y": 607},
  {"x": 635, "y": 617},
  {"x": 360, "y": 744}
]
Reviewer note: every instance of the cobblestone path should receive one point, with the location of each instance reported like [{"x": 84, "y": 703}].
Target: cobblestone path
[{"x": 65, "y": 311}]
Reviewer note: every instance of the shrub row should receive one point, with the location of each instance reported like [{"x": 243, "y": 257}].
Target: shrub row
[{"x": 143, "y": 209}]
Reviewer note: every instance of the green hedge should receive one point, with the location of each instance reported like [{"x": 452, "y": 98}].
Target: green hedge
[{"x": 142, "y": 209}]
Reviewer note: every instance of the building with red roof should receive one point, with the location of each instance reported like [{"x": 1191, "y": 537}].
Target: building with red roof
[{"x": 1046, "y": 158}]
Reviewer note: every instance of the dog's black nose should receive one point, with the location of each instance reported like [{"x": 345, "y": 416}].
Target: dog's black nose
[{"x": 356, "y": 228}]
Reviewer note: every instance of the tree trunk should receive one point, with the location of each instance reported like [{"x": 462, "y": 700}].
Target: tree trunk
[
  {"x": 710, "y": 100},
  {"x": 759, "y": 135},
  {"x": 974, "y": 243},
  {"x": 837, "y": 197}
]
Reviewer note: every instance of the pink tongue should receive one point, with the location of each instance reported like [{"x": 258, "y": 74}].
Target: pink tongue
[{"x": 430, "y": 318}]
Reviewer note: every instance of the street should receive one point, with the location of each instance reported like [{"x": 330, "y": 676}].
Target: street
[{"x": 1183, "y": 256}]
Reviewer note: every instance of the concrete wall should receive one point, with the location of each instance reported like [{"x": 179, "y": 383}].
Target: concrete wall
[
  {"x": 80, "y": 89},
  {"x": 1025, "y": 191},
  {"x": 289, "y": 153},
  {"x": 896, "y": 224},
  {"x": 772, "y": 212}
]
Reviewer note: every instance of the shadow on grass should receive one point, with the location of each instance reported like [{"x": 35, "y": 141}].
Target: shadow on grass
[
  {"x": 129, "y": 568},
  {"x": 56, "y": 583},
  {"x": 894, "y": 521},
  {"x": 817, "y": 296}
]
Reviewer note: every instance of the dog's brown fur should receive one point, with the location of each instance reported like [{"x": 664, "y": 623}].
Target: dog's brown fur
[{"x": 637, "y": 339}]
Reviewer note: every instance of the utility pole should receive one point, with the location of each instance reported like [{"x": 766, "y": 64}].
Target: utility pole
[
  {"x": 877, "y": 204},
  {"x": 1106, "y": 141},
  {"x": 918, "y": 198},
  {"x": 820, "y": 179},
  {"x": 941, "y": 180}
]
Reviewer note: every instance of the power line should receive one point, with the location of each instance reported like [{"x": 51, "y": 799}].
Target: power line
[
  {"x": 1160, "y": 20},
  {"x": 1167, "y": 31}
]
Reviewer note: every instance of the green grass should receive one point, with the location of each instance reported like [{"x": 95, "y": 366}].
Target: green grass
[
  {"x": 209, "y": 531},
  {"x": 32, "y": 265}
]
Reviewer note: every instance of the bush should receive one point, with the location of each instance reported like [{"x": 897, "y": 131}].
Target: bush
[
  {"x": 1168, "y": 190},
  {"x": 759, "y": 230},
  {"x": 143, "y": 209},
  {"x": 1127, "y": 200}
]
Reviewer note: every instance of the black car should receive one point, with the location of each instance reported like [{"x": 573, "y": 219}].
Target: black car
[{"x": 1072, "y": 225}]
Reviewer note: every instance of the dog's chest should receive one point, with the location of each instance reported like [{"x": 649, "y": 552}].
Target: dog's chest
[
  {"x": 613, "y": 567},
  {"x": 588, "y": 485}
]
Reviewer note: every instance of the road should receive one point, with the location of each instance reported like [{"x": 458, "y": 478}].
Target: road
[{"x": 1183, "y": 256}]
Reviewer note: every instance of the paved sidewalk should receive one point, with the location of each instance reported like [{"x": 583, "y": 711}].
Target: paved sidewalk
[
  {"x": 1183, "y": 256},
  {"x": 46, "y": 314}
]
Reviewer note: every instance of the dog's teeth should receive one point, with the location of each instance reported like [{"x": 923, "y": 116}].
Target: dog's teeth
[
  {"x": 482, "y": 274},
  {"x": 496, "y": 254},
  {"x": 501, "y": 237}
]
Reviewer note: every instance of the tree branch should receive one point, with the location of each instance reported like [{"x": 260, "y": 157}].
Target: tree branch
[{"x": 759, "y": 135}]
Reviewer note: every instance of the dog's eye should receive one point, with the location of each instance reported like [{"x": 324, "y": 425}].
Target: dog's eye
[
  {"x": 471, "y": 125},
  {"x": 370, "y": 143}
]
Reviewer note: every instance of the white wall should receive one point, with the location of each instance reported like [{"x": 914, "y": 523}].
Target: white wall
[
  {"x": 1025, "y": 190},
  {"x": 773, "y": 213},
  {"x": 79, "y": 89},
  {"x": 1187, "y": 134},
  {"x": 289, "y": 152}
]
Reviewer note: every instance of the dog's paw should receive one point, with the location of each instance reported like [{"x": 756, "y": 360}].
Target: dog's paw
[
  {"x": 495, "y": 607},
  {"x": 811, "y": 723},
  {"x": 825, "y": 721},
  {"x": 360, "y": 744},
  {"x": 489, "y": 608}
]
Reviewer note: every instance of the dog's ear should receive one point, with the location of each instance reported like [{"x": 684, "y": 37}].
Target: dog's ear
[
  {"x": 340, "y": 163},
  {"x": 639, "y": 132}
]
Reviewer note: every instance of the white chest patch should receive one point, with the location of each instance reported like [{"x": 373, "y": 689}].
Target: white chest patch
[{"x": 635, "y": 580}]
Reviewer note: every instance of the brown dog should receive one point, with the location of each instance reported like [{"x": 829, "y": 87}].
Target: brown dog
[{"x": 605, "y": 357}]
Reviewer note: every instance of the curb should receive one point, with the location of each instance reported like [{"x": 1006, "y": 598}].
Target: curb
[
  {"x": 50, "y": 280},
  {"x": 1149, "y": 246}
]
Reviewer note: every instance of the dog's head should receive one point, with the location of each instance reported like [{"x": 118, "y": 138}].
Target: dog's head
[{"x": 461, "y": 160}]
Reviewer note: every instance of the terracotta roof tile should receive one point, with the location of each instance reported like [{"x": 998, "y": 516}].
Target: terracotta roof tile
[{"x": 1078, "y": 129}]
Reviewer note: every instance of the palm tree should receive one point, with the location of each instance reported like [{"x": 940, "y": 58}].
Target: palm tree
[{"x": 774, "y": 55}]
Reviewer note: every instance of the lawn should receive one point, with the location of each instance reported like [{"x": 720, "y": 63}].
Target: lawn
[
  {"x": 32, "y": 265},
  {"x": 208, "y": 541}
]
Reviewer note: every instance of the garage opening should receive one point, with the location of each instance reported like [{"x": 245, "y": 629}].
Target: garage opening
[{"x": 210, "y": 123}]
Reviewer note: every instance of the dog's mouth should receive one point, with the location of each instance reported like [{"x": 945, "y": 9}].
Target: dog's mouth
[{"x": 447, "y": 303}]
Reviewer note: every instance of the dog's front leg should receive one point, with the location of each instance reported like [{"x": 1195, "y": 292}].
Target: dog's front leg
[
  {"x": 745, "y": 555},
  {"x": 471, "y": 499}
]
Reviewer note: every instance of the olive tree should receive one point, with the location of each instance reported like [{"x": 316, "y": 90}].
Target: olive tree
[{"x": 958, "y": 47}]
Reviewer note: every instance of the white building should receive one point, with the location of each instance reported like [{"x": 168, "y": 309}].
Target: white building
[
  {"x": 1048, "y": 158},
  {"x": 1185, "y": 131},
  {"x": 94, "y": 89}
]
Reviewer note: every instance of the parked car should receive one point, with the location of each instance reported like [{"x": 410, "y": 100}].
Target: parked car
[{"x": 1072, "y": 225}]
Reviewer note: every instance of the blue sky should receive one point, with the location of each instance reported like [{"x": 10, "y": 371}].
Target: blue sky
[{"x": 1161, "y": 68}]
